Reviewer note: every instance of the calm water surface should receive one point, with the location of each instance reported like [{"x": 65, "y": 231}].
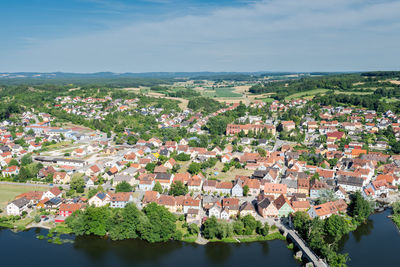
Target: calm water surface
[
  {"x": 92, "y": 251},
  {"x": 376, "y": 243}
]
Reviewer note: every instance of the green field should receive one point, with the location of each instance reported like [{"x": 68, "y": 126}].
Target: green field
[
  {"x": 352, "y": 93},
  {"x": 266, "y": 100},
  {"x": 391, "y": 100},
  {"x": 306, "y": 94},
  {"x": 9, "y": 192},
  {"x": 222, "y": 92}
]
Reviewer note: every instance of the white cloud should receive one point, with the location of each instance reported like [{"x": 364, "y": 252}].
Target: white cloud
[{"x": 301, "y": 35}]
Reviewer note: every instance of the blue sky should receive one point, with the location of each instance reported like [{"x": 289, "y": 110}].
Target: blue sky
[{"x": 194, "y": 35}]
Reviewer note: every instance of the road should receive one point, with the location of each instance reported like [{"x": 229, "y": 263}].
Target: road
[{"x": 64, "y": 186}]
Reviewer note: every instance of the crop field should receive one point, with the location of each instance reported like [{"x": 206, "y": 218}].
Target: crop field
[{"x": 307, "y": 94}]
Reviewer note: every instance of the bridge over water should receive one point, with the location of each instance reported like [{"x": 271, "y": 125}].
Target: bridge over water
[{"x": 302, "y": 245}]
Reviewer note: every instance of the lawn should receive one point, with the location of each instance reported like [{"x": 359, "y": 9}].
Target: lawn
[
  {"x": 62, "y": 144},
  {"x": 9, "y": 192},
  {"x": 306, "y": 94},
  {"x": 227, "y": 176},
  {"x": 268, "y": 100}
]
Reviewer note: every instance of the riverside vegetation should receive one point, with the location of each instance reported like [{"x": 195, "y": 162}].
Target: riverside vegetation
[
  {"x": 323, "y": 235},
  {"x": 156, "y": 224}
]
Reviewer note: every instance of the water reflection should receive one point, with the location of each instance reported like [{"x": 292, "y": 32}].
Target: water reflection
[
  {"x": 218, "y": 252},
  {"x": 126, "y": 250},
  {"x": 265, "y": 248},
  {"x": 364, "y": 229}
]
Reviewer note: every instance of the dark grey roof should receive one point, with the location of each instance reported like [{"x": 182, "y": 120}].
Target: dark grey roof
[
  {"x": 349, "y": 180},
  {"x": 260, "y": 174},
  {"x": 121, "y": 177},
  {"x": 164, "y": 152},
  {"x": 163, "y": 176},
  {"x": 20, "y": 202},
  {"x": 264, "y": 203},
  {"x": 290, "y": 183}
]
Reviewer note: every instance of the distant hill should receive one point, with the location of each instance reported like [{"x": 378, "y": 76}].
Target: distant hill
[{"x": 187, "y": 75}]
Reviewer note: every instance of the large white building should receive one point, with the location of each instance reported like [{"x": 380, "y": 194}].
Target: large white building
[{"x": 17, "y": 206}]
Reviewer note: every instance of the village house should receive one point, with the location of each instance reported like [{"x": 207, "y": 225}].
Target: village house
[
  {"x": 54, "y": 192},
  {"x": 223, "y": 188},
  {"x": 17, "y": 206},
  {"x": 66, "y": 210},
  {"x": 246, "y": 208},
  {"x": 283, "y": 206},
  {"x": 288, "y": 126},
  {"x": 327, "y": 209},
  {"x": 120, "y": 199},
  {"x": 193, "y": 216},
  {"x": 150, "y": 197},
  {"x": 266, "y": 208},
  {"x": 190, "y": 203},
  {"x": 61, "y": 178},
  {"x": 10, "y": 171},
  {"x": 99, "y": 200},
  {"x": 231, "y": 205},
  {"x": 275, "y": 189}
]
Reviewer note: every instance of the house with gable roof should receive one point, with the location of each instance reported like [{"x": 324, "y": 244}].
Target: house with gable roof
[
  {"x": 17, "y": 206},
  {"x": 100, "y": 199}
]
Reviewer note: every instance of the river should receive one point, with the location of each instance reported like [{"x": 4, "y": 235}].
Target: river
[{"x": 374, "y": 244}]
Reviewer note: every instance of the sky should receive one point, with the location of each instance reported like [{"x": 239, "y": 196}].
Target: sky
[{"x": 88, "y": 36}]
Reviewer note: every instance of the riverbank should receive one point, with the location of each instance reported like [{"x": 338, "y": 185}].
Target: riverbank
[{"x": 64, "y": 229}]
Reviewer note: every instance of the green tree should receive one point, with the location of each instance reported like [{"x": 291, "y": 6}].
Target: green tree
[
  {"x": 182, "y": 157},
  {"x": 77, "y": 184},
  {"x": 336, "y": 226},
  {"x": 160, "y": 226},
  {"x": 396, "y": 207},
  {"x": 262, "y": 152},
  {"x": 360, "y": 208},
  {"x": 194, "y": 168},
  {"x": 24, "y": 174},
  {"x": 263, "y": 230},
  {"x": 49, "y": 178},
  {"x": 210, "y": 228},
  {"x": 193, "y": 229},
  {"x": 301, "y": 222},
  {"x": 249, "y": 223},
  {"x": 158, "y": 188},
  {"x": 245, "y": 190},
  {"x": 123, "y": 187},
  {"x": 26, "y": 159},
  {"x": 37, "y": 218},
  {"x": 124, "y": 222},
  {"x": 13, "y": 162},
  {"x": 238, "y": 227},
  {"x": 150, "y": 167},
  {"x": 178, "y": 189}
]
